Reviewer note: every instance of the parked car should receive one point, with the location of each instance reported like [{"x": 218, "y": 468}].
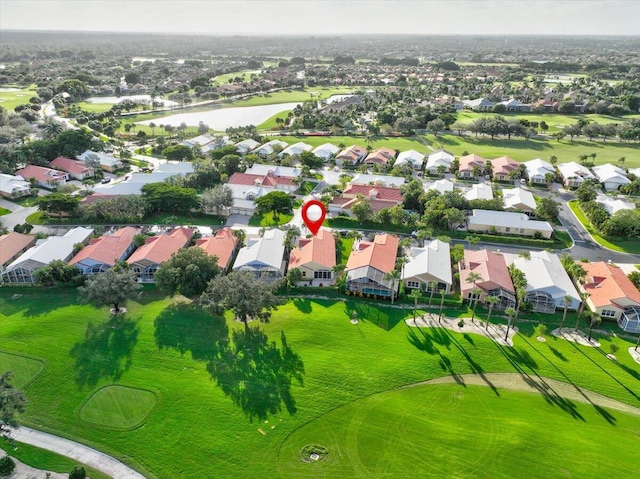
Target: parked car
[{"x": 104, "y": 181}]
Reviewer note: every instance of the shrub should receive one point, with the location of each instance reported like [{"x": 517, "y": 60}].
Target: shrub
[
  {"x": 461, "y": 323},
  {"x": 78, "y": 472},
  {"x": 613, "y": 347},
  {"x": 6, "y": 466},
  {"x": 540, "y": 329}
]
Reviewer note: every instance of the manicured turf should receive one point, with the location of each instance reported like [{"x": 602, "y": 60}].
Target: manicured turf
[
  {"x": 268, "y": 219},
  {"x": 4, "y": 211},
  {"x": 23, "y": 368},
  {"x": 216, "y": 384},
  {"x": 464, "y": 431},
  {"x": 298, "y": 94},
  {"x": 270, "y": 123},
  {"x": 11, "y": 99},
  {"x": 400, "y": 144},
  {"x": 118, "y": 407}
]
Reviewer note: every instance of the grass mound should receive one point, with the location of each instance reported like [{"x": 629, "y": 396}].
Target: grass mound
[
  {"x": 118, "y": 407},
  {"x": 24, "y": 369}
]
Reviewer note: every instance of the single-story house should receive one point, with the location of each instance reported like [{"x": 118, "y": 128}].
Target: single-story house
[
  {"x": 223, "y": 245},
  {"x": 634, "y": 171},
  {"x": 270, "y": 148},
  {"x": 574, "y": 174},
  {"x": 494, "y": 280},
  {"x": 264, "y": 257},
  {"x": 547, "y": 281},
  {"x": 613, "y": 177},
  {"x": 282, "y": 183},
  {"x": 502, "y": 167},
  {"x": 613, "y": 205},
  {"x": 612, "y": 295},
  {"x": 146, "y": 260},
  {"x": 441, "y": 186},
  {"x": 515, "y": 105},
  {"x": 429, "y": 265},
  {"x": 315, "y": 257},
  {"x": 479, "y": 191},
  {"x": 245, "y": 146},
  {"x": 378, "y": 180},
  {"x": 379, "y": 197},
  {"x": 517, "y": 199},
  {"x": 275, "y": 170},
  {"x": 76, "y": 169},
  {"x": 133, "y": 185},
  {"x": 45, "y": 177},
  {"x": 440, "y": 158},
  {"x": 107, "y": 162},
  {"x": 369, "y": 263},
  {"x": 23, "y": 269},
  {"x": 538, "y": 169},
  {"x": 380, "y": 156},
  {"x": 295, "y": 149},
  {"x": 12, "y": 245},
  {"x": 244, "y": 197},
  {"x": 504, "y": 222},
  {"x": 326, "y": 151},
  {"x": 104, "y": 252},
  {"x": 14, "y": 186},
  {"x": 469, "y": 163},
  {"x": 351, "y": 156},
  {"x": 200, "y": 141},
  {"x": 412, "y": 157},
  {"x": 479, "y": 104}
]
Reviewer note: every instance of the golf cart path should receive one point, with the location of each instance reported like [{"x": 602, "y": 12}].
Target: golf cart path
[
  {"x": 536, "y": 384},
  {"x": 74, "y": 450}
]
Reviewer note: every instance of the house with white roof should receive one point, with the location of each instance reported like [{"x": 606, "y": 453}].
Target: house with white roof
[
  {"x": 379, "y": 180},
  {"x": 199, "y": 141},
  {"x": 574, "y": 174},
  {"x": 412, "y": 157},
  {"x": 538, "y": 169},
  {"x": 295, "y": 149},
  {"x": 428, "y": 265},
  {"x": 23, "y": 269},
  {"x": 326, "y": 151},
  {"x": 245, "y": 146},
  {"x": 613, "y": 205},
  {"x": 264, "y": 257},
  {"x": 439, "y": 158},
  {"x": 504, "y": 222},
  {"x": 547, "y": 281},
  {"x": 107, "y": 162},
  {"x": 515, "y": 105},
  {"x": 135, "y": 181},
  {"x": 613, "y": 177},
  {"x": 635, "y": 172},
  {"x": 270, "y": 147},
  {"x": 479, "y": 191},
  {"x": 479, "y": 104},
  {"x": 14, "y": 186},
  {"x": 274, "y": 170},
  {"x": 244, "y": 197},
  {"x": 517, "y": 199},
  {"x": 441, "y": 186}
]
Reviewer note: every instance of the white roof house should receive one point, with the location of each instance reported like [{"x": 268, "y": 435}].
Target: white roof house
[
  {"x": 507, "y": 223},
  {"x": 200, "y": 141},
  {"x": 133, "y": 185},
  {"x": 50, "y": 249},
  {"x": 379, "y": 180},
  {"x": 264, "y": 257},
  {"x": 326, "y": 151},
  {"x": 275, "y": 170},
  {"x": 414, "y": 158},
  {"x": 613, "y": 205},
  {"x": 295, "y": 149},
  {"x": 244, "y": 197},
  {"x": 634, "y": 171},
  {"x": 14, "y": 186},
  {"x": 479, "y": 191},
  {"x": 537, "y": 170},
  {"x": 518, "y": 199},
  {"x": 245, "y": 146},
  {"x": 439, "y": 158},
  {"x": 268, "y": 148},
  {"x": 429, "y": 264},
  {"x": 479, "y": 104},
  {"x": 441, "y": 186},
  {"x": 547, "y": 281},
  {"x": 612, "y": 176},
  {"x": 107, "y": 162},
  {"x": 574, "y": 173}
]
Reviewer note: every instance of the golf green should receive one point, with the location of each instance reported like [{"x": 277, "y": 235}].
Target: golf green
[{"x": 118, "y": 407}]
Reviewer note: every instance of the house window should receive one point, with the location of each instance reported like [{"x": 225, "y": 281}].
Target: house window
[
  {"x": 474, "y": 296},
  {"x": 507, "y": 229},
  {"x": 322, "y": 274},
  {"x": 521, "y": 230},
  {"x": 608, "y": 313},
  {"x": 413, "y": 284},
  {"x": 304, "y": 274}
]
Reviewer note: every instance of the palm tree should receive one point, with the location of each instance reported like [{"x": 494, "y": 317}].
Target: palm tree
[
  {"x": 424, "y": 234},
  {"x": 476, "y": 295},
  {"x": 492, "y": 300},
  {"x": 509, "y": 312},
  {"x": 473, "y": 240},
  {"x": 622, "y": 159},
  {"x": 473, "y": 277},
  {"x": 415, "y": 295},
  {"x": 637, "y": 344},
  {"x": 581, "y": 309},
  {"x": 152, "y": 125},
  {"x": 567, "y": 302},
  {"x": 393, "y": 278},
  {"x": 433, "y": 285},
  {"x": 442, "y": 295},
  {"x": 593, "y": 320}
]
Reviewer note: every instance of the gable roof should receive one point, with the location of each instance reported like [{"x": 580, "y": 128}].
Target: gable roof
[
  {"x": 319, "y": 249},
  {"x": 378, "y": 180},
  {"x": 11, "y": 183},
  {"x": 433, "y": 260},
  {"x": 42, "y": 174},
  {"x": 410, "y": 156},
  {"x": 538, "y": 167},
  {"x": 374, "y": 192},
  {"x": 504, "y": 165},
  {"x": 71, "y": 166},
  {"x": 259, "y": 180},
  {"x": 352, "y": 153},
  {"x": 380, "y": 155},
  {"x": 606, "y": 283},
  {"x": 107, "y": 249},
  {"x": 442, "y": 185},
  {"x": 296, "y": 149},
  {"x": 325, "y": 150},
  {"x": 479, "y": 191},
  {"x": 260, "y": 169},
  {"x": 222, "y": 244},
  {"x": 611, "y": 173},
  {"x": 379, "y": 253},
  {"x": 468, "y": 162},
  {"x": 491, "y": 267},
  {"x": 268, "y": 147},
  {"x": 160, "y": 248},
  {"x": 12, "y": 243},
  {"x": 517, "y": 197},
  {"x": 247, "y": 145},
  {"x": 268, "y": 250},
  {"x": 507, "y": 219},
  {"x": 574, "y": 170}
]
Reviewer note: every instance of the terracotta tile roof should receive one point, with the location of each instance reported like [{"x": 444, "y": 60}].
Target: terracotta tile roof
[
  {"x": 380, "y": 155},
  {"x": 492, "y": 268},
  {"x": 70, "y": 166},
  {"x": 42, "y": 174},
  {"x": 377, "y": 192},
  {"x": 607, "y": 283},
  {"x": 264, "y": 180},
  {"x": 320, "y": 249},
  {"x": 352, "y": 153},
  {"x": 222, "y": 245},
  {"x": 379, "y": 254},
  {"x": 468, "y": 162},
  {"x": 107, "y": 249},
  {"x": 504, "y": 165},
  {"x": 13, "y": 243},
  {"x": 160, "y": 248}
]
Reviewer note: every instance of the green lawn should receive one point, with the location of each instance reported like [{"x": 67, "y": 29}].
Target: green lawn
[
  {"x": 11, "y": 99},
  {"x": 154, "y": 219},
  {"x": 24, "y": 369},
  {"x": 394, "y": 143},
  {"x": 231, "y": 402},
  {"x": 628, "y": 245},
  {"x": 307, "y": 187},
  {"x": 293, "y": 95},
  {"x": 95, "y": 107},
  {"x": 268, "y": 219},
  {"x": 4, "y": 211},
  {"x": 344, "y": 247},
  {"x": 118, "y": 407},
  {"x": 270, "y": 123}
]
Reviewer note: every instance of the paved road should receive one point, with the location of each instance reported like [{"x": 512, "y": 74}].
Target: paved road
[{"x": 96, "y": 459}]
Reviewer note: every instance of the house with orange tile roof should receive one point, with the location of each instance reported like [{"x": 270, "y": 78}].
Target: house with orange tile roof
[
  {"x": 502, "y": 167},
  {"x": 270, "y": 180},
  {"x": 379, "y": 197},
  {"x": 315, "y": 257},
  {"x": 45, "y": 177},
  {"x": 12, "y": 245},
  {"x": 146, "y": 260},
  {"x": 351, "y": 156},
  {"x": 76, "y": 169},
  {"x": 223, "y": 245},
  {"x": 469, "y": 163},
  {"x": 612, "y": 295},
  {"x": 104, "y": 252},
  {"x": 368, "y": 264},
  {"x": 380, "y": 156},
  {"x": 494, "y": 277}
]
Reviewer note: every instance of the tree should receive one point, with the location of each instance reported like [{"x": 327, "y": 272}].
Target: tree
[
  {"x": 169, "y": 198},
  {"x": 476, "y": 294},
  {"x": 492, "y": 300},
  {"x": 432, "y": 286},
  {"x": 294, "y": 276},
  {"x": 474, "y": 277},
  {"x": 442, "y": 295},
  {"x": 7, "y": 466},
  {"x": 634, "y": 276},
  {"x": 12, "y": 403},
  {"x": 178, "y": 153},
  {"x": 547, "y": 209},
  {"x": 509, "y": 312},
  {"x": 392, "y": 278},
  {"x": 567, "y": 302},
  {"x": 309, "y": 159},
  {"x": 187, "y": 272},
  {"x": 57, "y": 273},
  {"x": 244, "y": 294},
  {"x": 362, "y": 209},
  {"x": 113, "y": 287},
  {"x": 473, "y": 240},
  {"x": 217, "y": 200},
  {"x": 77, "y": 472},
  {"x": 593, "y": 320},
  {"x": 415, "y": 295},
  {"x": 58, "y": 203},
  {"x": 278, "y": 202}
]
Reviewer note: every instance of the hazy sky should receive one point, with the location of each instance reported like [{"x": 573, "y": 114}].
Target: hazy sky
[{"x": 607, "y": 17}]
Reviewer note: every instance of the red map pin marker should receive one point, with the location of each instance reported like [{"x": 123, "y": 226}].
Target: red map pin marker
[{"x": 313, "y": 213}]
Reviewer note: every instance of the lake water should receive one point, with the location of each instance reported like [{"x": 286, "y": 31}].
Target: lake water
[
  {"x": 112, "y": 100},
  {"x": 7, "y": 90},
  {"x": 222, "y": 118}
]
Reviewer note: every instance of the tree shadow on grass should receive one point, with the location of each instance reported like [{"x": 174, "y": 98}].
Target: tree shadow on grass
[
  {"x": 105, "y": 351},
  {"x": 186, "y": 327},
  {"x": 427, "y": 343},
  {"x": 304, "y": 305},
  {"x": 384, "y": 318},
  {"x": 558, "y": 354},
  {"x": 256, "y": 373}
]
